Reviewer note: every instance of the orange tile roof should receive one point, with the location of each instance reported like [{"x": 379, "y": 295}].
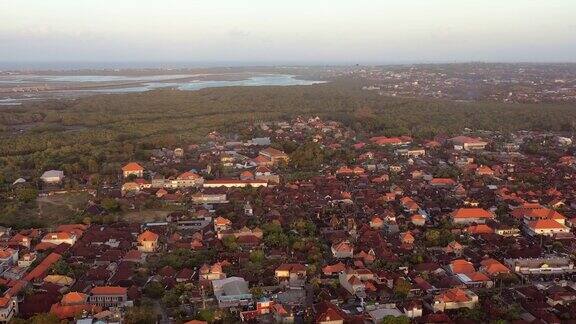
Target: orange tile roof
[
  {"x": 543, "y": 213},
  {"x": 417, "y": 217},
  {"x": 480, "y": 229},
  {"x": 74, "y": 297},
  {"x": 334, "y": 268},
  {"x": 462, "y": 266},
  {"x": 442, "y": 181},
  {"x": 376, "y": 220},
  {"x": 546, "y": 224},
  {"x": 43, "y": 267},
  {"x": 4, "y": 301},
  {"x": 108, "y": 290},
  {"x": 493, "y": 267},
  {"x": 453, "y": 295},
  {"x": 132, "y": 166},
  {"x": 472, "y": 213},
  {"x": 222, "y": 221},
  {"x": 58, "y": 236},
  {"x": 71, "y": 311},
  {"x": 148, "y": 236},
  {"x": 477, "y": 276}
]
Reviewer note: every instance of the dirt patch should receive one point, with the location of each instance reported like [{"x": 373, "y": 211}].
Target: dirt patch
[
  {"x": 61, "y": 208},
  {"x": 145, "y": 216}
]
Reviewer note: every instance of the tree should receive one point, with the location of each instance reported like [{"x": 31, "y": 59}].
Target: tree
[
  {"x": 26, "y": 194},
  {"x": 257, "y": 256},
  {"x": 42, "y": 318},
  {"x": 154, "y": 290},
  {"x": 206, "y": 315},
  {"x": 230, "y": 243},
  {"x": 110, "y": 204},
  {"x": 402, "y": 288},
  {"x": 140, "y": 315},
  {"x": 307, "y": 157},
  {"x": 61, "y": 267},
  {"x": 257, "y": 292}
]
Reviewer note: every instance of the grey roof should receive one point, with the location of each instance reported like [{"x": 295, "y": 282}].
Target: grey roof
[{"x": 53, "y": 174}]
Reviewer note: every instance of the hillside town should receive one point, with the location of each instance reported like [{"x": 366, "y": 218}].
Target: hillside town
[{"x": 305, "y": 221}]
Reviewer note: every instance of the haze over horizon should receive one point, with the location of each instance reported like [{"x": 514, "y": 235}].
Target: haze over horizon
[{"x": 257, "y": 32}]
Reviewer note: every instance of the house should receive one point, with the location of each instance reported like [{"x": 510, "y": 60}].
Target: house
[
  {"x": 58, "y": 238},
  {"x": 409, "y": 205},
  {"x": 355, "y": 281},
  {"x": 274, "y": 156},
  {"x": 52, "y": 176},
  {"x": 493, "y": 267},
  {"x": 213, "y": 272},
  {"x": 130, "y": 187},
  {"x": 471, "y": 215},
  {"x": 442, "y": 182},
  {"x": 379, "y": 312},
  {"x": 333, "y": 269},
  {"x": 507, "y": 231},
  {"x": 328, "y": 313},
  {"x": 454, "y": 298},
  {"x": 73, "y": 304},
  {"x": 209, "y": 198},
  {"x": 186, "y": 180},
  {"x": 8, "y": 308},
  {"x": 109, "y": 296},
  {"x": 246, "y": 175},
  {"x": 454, "y": 247},
  {"x": 342, "y": 250},
  {"x": 27, "y": 259},
  {"x": 294, "y": 274},
  {"x": 468, "y": 143},
  {"x": 8, "y": 258},
  {"x": 418, "y": 220},
  {"x": 546, "y": 227},
  {"x": 133, "y": 168},
  {"x": 484, "y": 170},
  {"x": 222, "y": 224},
  {"x": 407, "y": 238},
  {"x": 233, "y": 183},
  {"x": 43, "y": 267},
  {"x": 179, "y": 152},
  {"x": 413, "y": 308},
  {"x": 393, "y": 141},
  {"x": 231, "y": 292},
  {"x": 551, "y": 265},
  {"x": 479, "y": 229},
  {"x": 376, "y": 223},
  {"x": 148, "y": 241}
]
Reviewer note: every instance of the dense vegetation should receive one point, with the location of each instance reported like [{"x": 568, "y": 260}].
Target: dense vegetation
[{"x": 95, "y": 134}]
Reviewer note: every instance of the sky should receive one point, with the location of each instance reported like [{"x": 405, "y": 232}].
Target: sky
[{"x": 288, "y": 31}]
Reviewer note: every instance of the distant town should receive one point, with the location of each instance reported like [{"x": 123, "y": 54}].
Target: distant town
[
  {"x": 511, "y": 83},
  {"x": 475, "y": 227}
]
